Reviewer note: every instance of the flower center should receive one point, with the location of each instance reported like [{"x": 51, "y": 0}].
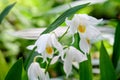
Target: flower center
[
  {"x": 81, "y": 28},
  {"x": 49, "y": 49}
]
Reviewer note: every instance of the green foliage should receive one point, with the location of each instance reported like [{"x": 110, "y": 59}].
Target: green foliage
[
  {"x": 15, "y": 72},
  {"x": 85, "y": 69},
  {"x": 6, "y": 11},
  {"x": 22, "y": 17},
  {"x": 107, "y": 71},
  {"x": 116, "y": 46},
  {"x": 3, "y": 66},
  {"x": 62, "y": 17},
  {"x": 76, "y": 40},
  {"x": 30, "y": 58}
]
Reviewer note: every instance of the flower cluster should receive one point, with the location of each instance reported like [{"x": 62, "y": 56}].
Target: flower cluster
[{"x": 48, "y": 46}]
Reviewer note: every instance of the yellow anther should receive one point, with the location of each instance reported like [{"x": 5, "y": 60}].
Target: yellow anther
[
  {"x": 88, "y": 40},
  {"x": 81, "y": 28},
  {"x": 49, "y": 49}
]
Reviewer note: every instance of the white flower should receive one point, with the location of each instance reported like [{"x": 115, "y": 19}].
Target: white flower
[
  {"x": 35, "y": 72},
  {"x": 72, "y": 55},
  {"x": 46, "y": 44},
  {"x": 85, "y": 26}
]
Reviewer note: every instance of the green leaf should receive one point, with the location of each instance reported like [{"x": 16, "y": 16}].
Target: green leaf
[
  {"x": 6, "y": 11},
  {"x": 30, "y": 58},
  {"x": 116, "y": 46},
  {"x": 76, "y": 41},
  {"x": 107, "y": 71},
  {"x": 85, "y": 69},
  {"x": 15, "y": 72},
  {"x": 3, "y": 66},
  {"x": 62, "y": 17}
]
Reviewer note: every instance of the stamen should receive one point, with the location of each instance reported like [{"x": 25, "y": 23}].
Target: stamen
[
  {"x": 49, "y": 49},
  {"x": 88, "y": 40},
  {"x": 81, "y": 28}
]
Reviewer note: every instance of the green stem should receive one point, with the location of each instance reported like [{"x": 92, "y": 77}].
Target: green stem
[
  {"x": 64, "y": 34},
  {"x": 49, "y": 61}
]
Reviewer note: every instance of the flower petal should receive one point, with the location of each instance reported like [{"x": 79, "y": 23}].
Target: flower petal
[
  {"x": 30, "y": 47},
  {"x": 34, "y": 71},
  {"x": 56, "y": 44},
  {"x": 92, "y": 32},
  {"x": 72, "y": 24},
  {"x": 77, "y": 55},
  {"x": 84, "y": 45},
  {"x": 44, "y": 55},
  {"x": 94, "y": 21},
  {"x": 41, "y": 42},
  {"x": 67, "y": 65},
  {"x": 54, "y": 60},
  {"x": 47, "y": 76},
  {"x": 67, "y": 62}
]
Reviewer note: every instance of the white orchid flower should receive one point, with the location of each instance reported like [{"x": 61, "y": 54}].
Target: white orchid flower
[
  {"x": 35, "y": 72},
  {"x": 85, "y": 26},
  {"x": 72, "y": 55},
  {"x": 46, "y": 44}
]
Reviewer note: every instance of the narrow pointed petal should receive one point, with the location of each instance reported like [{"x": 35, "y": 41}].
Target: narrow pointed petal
[
  {"x": 41, "y": 42},
  {"x": 94, "y": 21},
  {"x": 44, "y": 55},
  {"x": 92, "y": 32},
  {"x": 54, "y": 60},
  {"x": 56, "y": 44},
  {"x": 84, "y": 46},
  {"x": 31, "y": 47},
  {"x": 77, "y": 55},
  {"x": 47, "y": 76},
  {"x": 72, "y": 24},
  {"x": 34, "y": 71},
  {"x": 67, "y": 63},
  {"x": 67, "y": 66}
]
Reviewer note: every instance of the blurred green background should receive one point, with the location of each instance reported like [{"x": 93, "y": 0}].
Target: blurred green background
[{"x": 28, "y": 14}]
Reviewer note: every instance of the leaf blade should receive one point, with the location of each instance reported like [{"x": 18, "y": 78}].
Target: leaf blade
[
  {"x": 15, "y": 72},
  {"x": 30, "y": 58},
  {"x": 61, "y": 18},
  {"x": 5, "y": 12},
  {"x": 107, "y": 71},
  {"x": 116, "y": 46},
  {"x": 85, "y": 70}
]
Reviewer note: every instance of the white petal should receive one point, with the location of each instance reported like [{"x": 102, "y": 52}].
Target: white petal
[
  {"x": 88, "y": 20},
  {"x": 31, "y": 47},
  {"x": 54, "y": 60},
  {"x": 92, "y": 32},
  {"x": 72, "y": 24},
  {"x": 34, "y": 71},
  {"x": 44, "y": 55},
  {"x": 94, "y": 21},
  {"x": 49, "y": 55},
  {"x": 67, "y": 65},
  {"x": 77, "y": 55},
  {"x": 84, "y": 46},
  {"x": 41, "y": 42},
  {"x": 47, "y": 76},
  {"x": 56, "y": 44},
  {"x": 76, "y": 64}
]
